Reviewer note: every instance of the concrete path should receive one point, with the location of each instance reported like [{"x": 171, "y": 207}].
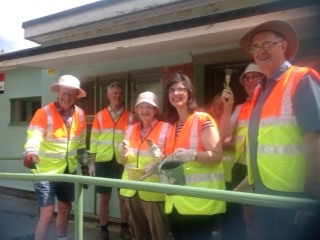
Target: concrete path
[{"x": 18, "y": 218}]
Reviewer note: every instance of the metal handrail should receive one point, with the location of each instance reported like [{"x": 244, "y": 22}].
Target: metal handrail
[{"x": 229, "y": 196}]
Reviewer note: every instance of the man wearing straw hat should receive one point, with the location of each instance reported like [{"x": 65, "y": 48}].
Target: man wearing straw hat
[
  {"x": 54, "y": 135},
  {"x": 284, "y": 126}
]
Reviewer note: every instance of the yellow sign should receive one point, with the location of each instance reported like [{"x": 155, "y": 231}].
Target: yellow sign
[{"x": 51, "y": 71}]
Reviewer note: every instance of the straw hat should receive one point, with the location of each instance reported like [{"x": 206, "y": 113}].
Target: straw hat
[
  {"x": 280, "y": 26},
  {"x": 148, "y": 97},
  {"x": 252, "y": 67},
  {"x": 68, "y": 81}
]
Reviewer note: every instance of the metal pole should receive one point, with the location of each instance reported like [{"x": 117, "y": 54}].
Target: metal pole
[{"x": 78, "y": 212}]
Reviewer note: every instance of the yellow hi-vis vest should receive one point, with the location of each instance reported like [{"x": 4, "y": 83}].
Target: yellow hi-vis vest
[
  {"x": 228, "y": 157},
  {"x": 197, "y": 174},
  {"x": 106, "y": 135},
  {"x": 139, "y": 157},
  {"x": 241, "y": 131},
  {"x": 48, "y": 135},
  {"x": 280, "y": 153}
]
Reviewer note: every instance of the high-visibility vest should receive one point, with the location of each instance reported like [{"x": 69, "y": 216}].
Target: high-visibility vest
[
  {"x": 280, "y": 151},
  {"x": 139, "y": 157},
  {"x": 241, "y": 131},
  {"x": 48, "y": 135},
  {"x": 106, "y": 135},
  {"x": 197, "y": 174},
  {"x": 228, "y": 160}
]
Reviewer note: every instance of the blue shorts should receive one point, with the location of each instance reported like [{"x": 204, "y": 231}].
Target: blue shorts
[{"x": 47, "y": 191}]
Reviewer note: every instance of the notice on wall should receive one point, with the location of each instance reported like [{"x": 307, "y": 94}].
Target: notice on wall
[{"x": 51, "y": 71}]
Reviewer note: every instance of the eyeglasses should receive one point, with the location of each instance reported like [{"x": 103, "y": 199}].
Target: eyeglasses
[
  {"x": 68, "y": 94},
  {"x": 177, "y": 90},
  {"x": 264, "y": 46},
  {"x": 254, "y": 77}
]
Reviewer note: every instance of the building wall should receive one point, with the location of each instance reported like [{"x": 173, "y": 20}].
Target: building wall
[{"x": 29, "y": 82}]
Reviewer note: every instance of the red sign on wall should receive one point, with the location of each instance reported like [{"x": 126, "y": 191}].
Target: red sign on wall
[{"x": 1, "y": 82}]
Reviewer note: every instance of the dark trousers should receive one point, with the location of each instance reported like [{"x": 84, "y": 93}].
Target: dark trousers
[
  {"x": 232, "y": 223},
  {"x": 191, "y": 227},
  {"x": 277, "y": 223}
]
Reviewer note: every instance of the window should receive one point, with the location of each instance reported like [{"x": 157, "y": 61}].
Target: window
[{"x": 22, "y": 109}]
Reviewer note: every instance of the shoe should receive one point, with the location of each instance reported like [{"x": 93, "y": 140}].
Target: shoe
[
  {"x": 125, "y": 233},
  {"x": 104, "y": 235}
]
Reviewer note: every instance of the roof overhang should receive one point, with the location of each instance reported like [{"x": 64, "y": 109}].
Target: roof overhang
[{"x": 195, "y": 41}]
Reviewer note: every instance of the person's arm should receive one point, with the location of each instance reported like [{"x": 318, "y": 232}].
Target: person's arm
[
  {"x": 211, "y": 142},
  {"x": 227, "y": 124},
  {"x": 307, "y": 111}
]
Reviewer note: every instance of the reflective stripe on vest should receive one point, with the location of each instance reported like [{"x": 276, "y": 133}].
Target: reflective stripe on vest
[
  {"x": 106, "y": 134},
  {"x": 197, "y": 174},
  {"x": 280, "y": 152},
  {"x": 52, "y": 142},
  {"x": 241, "y": 132},
  {"x": 140, "y": 157}
]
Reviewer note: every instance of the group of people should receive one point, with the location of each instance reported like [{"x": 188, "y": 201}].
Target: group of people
[{"x": 276, "y": 132}]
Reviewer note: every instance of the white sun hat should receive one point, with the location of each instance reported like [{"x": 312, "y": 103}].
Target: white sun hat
[
  {"x": 252, "y": 67},
  {"x": 68, "y": 81},
  {"x": 148, "y": 97}
]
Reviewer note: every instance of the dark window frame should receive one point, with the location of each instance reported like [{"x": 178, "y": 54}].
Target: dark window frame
[{"x": 23, "y": 109}]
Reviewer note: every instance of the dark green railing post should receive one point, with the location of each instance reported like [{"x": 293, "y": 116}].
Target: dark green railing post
[{"x": 78, "y": 212}]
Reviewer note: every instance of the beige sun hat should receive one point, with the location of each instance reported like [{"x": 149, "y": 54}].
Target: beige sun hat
[
  {"x": 148, "y": 97},
  {"x": 252, "y": 67},
  {"x": 68, "y": 81},
  {"x": 280, "y": 26}
]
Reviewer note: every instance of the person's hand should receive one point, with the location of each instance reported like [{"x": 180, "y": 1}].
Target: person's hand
[
  {"x": 149, "y": 170},
  {"x": 184, "y": 155},
  {"x": 30, "y": 160},
  {"x": 124, "y": 148},
  {"x": 227, "y": 96},
  {"x": 92, "y": 169},
  {"x": 154, "y": 151}
]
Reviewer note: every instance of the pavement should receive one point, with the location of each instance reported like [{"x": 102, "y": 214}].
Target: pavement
[{"x": 19, "y": 217}]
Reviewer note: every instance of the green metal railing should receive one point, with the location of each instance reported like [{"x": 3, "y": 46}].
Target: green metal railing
[{"x": 229, "y": 196}]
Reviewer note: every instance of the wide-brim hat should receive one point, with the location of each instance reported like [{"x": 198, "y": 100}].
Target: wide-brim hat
[
  {"x": 148, "y": 97},
  {"x": 252, "y": 67},
  {"x": 68, "y": 81},
  {"x": 280, "y": 26}
]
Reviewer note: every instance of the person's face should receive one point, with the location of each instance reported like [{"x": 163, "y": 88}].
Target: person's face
[
  {"x": 250, "y": 81},
  {"x": 146, "y": 112},
  {"x": 178, "y": 95},
  {"x": 217, "y": 106},
  {"x": 268, "y": 51},
  {"x": 66, "y": 97},
  {"x": 115, "y": 96}
]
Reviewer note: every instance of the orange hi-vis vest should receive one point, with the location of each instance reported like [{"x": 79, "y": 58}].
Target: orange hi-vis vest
[
  {"x": 106, "y": 135},
  {"x": 139, "y": 157},
  {"x": 280, "y": 152},
  {"x": 197, "y": 174},
  {"x": 56, "y": 146}
]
